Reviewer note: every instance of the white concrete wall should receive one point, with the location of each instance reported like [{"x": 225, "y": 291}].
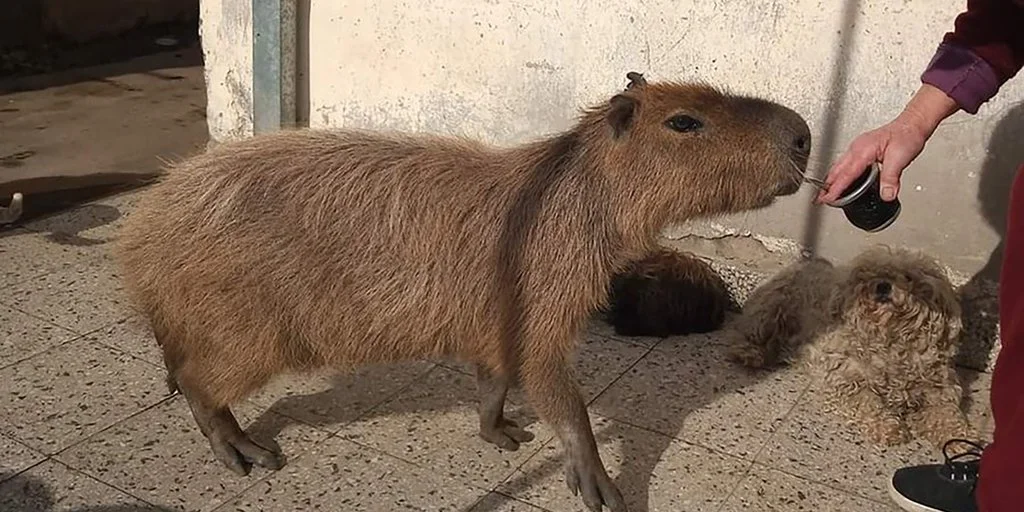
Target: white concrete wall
[{"x": 507, "y": 71}]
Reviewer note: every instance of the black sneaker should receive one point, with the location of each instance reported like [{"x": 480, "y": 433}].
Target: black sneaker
[{"x": 947, "y": 487}]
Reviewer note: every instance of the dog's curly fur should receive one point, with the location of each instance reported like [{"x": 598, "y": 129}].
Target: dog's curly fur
[
  {"x": 667, "y": 293},
  {"x": 881, "y": 332}
]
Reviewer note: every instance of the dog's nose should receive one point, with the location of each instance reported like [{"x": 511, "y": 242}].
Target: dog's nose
[{"x": 883, "y": 289}]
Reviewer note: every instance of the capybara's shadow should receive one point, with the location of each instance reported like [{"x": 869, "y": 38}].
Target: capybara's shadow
[
  {"x": 640, "y": 450},
  {"x": 699, "y": 382},
  {"x": 1005, "y": 154},
  {"x": 27, "y": 493}
]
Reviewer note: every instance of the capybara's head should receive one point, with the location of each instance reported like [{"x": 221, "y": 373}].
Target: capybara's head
[
  {"x": 900, "y": 292},
  {"x": 690, "y": 149}
]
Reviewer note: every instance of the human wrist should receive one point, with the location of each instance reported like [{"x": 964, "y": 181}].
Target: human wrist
[{"x": 927, "y": 109}]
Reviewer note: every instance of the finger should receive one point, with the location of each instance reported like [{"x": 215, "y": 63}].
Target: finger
[
  {"x": 889, "y": 178},
  {"x": 843, "y": 174}
]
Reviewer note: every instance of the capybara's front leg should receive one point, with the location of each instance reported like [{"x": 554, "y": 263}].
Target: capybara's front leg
[
  {"x": 227, "y": 440},
  {"x": 494, "y": 427},
  {"x": 557, "y": 399}
]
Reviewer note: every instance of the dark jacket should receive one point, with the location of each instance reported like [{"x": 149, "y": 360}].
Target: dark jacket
[{"x": 984, "y": 50}]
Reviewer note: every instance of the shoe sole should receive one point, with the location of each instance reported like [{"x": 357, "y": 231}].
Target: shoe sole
[{"x": 905, "y": 503}]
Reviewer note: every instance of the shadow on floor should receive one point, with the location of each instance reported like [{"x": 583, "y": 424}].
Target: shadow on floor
[
  {"x": 25, "y": 493},
  {"x": 641, "y": 450},
  {"x": 1005, "y": 154}
]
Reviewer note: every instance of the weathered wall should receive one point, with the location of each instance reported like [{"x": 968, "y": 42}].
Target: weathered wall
[{"x": 506, "y": 71}]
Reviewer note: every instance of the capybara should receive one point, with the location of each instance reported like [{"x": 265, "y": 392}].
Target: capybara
[
  {"x": 668, "y": 293},
  {"x": 306, "y": 249}
]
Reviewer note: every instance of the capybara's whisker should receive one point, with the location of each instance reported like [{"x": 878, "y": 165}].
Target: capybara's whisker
[{"x": 302, "y": 250}]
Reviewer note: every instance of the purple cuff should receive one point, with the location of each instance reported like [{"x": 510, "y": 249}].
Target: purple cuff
[{"x": 962, "y": 75}]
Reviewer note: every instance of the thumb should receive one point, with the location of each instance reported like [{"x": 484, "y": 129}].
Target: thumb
[{"x": 889, "y": 179}]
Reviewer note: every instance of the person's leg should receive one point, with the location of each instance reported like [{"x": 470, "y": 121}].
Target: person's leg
[
  {"x": 957, "y": 485},
  {"x": 1001, "y": 482}
]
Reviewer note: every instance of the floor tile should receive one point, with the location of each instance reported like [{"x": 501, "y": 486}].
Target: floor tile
[
  {"x": 51, "y": 487},
  {"x": 653, "y": 472},
  {"x": 132, "y": 336},
  {"x": 767, "y": 490},
  {"x": 814, "y": 444},
  {"x": 435, "y": 424},
  {"x": 27, "y": 255},
  {"x": 81, "y": 298},
  {"x": 687, "y": 389},
  {"x": 497, "y": 502},
  {"x": 341, "y": 475},
  {"x": 91, "y": 224},
  {"x": 163, "y": 458},
  {"x": 329, "y": 401},
  {"x": 16, "y": 457},
  {"x": 61, "y": 396},
  {"x": 22, "y": 336},
  {"x": 599, "y": 362}
]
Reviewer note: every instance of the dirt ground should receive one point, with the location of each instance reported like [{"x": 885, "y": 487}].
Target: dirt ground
[{"x": 83, "y": 130}]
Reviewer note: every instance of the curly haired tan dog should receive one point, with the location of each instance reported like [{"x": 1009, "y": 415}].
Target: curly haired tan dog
[
  {"x": 882, "y": 332},
  {"x": 668, "y": 293}
]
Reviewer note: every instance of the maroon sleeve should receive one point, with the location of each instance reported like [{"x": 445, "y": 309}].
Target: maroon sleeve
[{"x": 984, "y": 50}]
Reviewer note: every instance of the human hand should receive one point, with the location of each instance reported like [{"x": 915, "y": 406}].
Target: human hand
[{"x": 894, "y": 145}]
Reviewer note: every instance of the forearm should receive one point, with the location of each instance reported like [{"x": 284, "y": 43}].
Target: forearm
[
  {"x": 929, "y": 107},
  {"x": 984, "y": 50}
]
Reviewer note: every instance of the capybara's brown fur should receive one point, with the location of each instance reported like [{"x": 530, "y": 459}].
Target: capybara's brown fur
[
  {"x": 668, "y": 293},
  {"x": 307, "y": 249}
]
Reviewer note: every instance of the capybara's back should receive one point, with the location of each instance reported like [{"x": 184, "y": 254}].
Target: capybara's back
[
  {"x": 302, "y": 249},
  {"x": 306, "y": 249}
]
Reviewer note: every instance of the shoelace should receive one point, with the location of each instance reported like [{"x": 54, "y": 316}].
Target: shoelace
[{"x": 963, "y": 470}]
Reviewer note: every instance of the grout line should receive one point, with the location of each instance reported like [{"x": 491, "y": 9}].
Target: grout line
[
  {"x": 767, "y": 441},
  {"x": 165, "y": 399},
  {"x": 506, "y": 496},
  {"x": 827, "y": 485},
  {"x": 75, "y": 337},
  {"x": 387, "y": 399},
  {"x": 107, "y": 484}
]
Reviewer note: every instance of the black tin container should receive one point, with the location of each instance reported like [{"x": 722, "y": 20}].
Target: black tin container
[{"x": 863, "y": 204}]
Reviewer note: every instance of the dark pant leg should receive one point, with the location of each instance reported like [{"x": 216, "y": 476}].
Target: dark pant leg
[{"x": 1001, "y": 485}]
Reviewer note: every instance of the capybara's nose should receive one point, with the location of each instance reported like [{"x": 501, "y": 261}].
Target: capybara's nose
[{"x": 802, "y": 145}]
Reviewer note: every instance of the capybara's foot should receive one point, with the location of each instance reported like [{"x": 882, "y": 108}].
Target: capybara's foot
[
  {"x": 494, "y": 428},
  {"x": 238, "y": 452},
  {"x": 230, "y": 445},
  {"x": 591, "y": 480},
  {"x": 507, "y": 435}
]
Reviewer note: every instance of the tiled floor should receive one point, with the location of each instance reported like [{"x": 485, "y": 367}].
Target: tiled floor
[{"x": 86, "y": 422}]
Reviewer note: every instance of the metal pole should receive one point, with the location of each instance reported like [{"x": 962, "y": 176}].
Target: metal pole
[{"x": 273, "y": 64}]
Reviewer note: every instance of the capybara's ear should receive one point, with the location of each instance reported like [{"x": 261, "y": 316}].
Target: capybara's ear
[
  {"x": 620, "y": 115},
  {"x": 635, "y": 80}
]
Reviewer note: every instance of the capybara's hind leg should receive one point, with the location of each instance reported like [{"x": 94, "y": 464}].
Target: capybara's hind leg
[
  {"x": 494, "y": 427},
  {"x": 227, "y": 440}
]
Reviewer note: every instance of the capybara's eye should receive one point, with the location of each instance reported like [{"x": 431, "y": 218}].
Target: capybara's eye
[{"x": 684, "y": 123}]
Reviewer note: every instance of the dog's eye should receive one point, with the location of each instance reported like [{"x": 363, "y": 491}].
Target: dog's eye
[{"x": 684, "y": 123}]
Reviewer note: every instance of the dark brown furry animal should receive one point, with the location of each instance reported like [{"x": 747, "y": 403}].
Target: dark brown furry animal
[
  {"x": 310, "y": 249},
  {"x": 667, "y": 294}
]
